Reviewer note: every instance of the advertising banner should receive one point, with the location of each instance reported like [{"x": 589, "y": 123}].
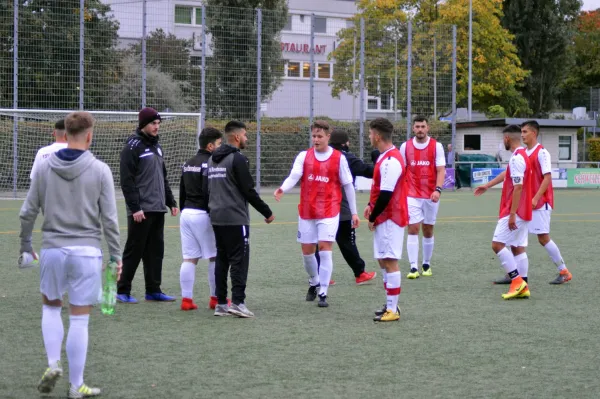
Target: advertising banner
[
  {"x": 480, "y": 176},
  {"x": 583, "y": 178},
  {"x": 559, "y": 177},
  {"x": 449, "y": 180}
]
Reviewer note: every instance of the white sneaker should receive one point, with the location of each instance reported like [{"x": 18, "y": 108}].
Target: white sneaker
[
  {"x": 240, "y": 310},
  {"x": 48, "y": 381},
  {"x": 83, "y": 392}
]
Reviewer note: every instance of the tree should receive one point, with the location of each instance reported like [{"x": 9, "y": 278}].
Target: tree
[
  {"x": 49, "y": 53},
  {"x": 543, "y": 31},
  {"x": 496, "y": 67},
  {"x": 585, "y": 52},
  {"x": 232, "y": 69}
]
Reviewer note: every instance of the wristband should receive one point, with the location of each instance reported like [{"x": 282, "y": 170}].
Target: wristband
[{"x": 438, "y": 189}]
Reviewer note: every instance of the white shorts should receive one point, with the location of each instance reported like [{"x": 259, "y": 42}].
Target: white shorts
[
  {"x": 514, "y": 238},
  {"x": 540, "y": 221},
  {"x": 197, "y": 235},
  {"x": 388, "y": 240},
  {"x": 422, "y": 210},
  {"x": 311, "y": 231},
  {"x": 63, "y": 270}
]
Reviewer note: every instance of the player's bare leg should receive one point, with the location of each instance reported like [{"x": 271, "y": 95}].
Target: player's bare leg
[
  {"x": 427, "y": 249},
  {"x": 554, "y": 253},
  {"x": 412, "y": 248},
  {"x": 393, "y": 288}
]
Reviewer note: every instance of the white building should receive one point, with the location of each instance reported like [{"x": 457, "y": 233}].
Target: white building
[{"x": 183, "y": 18}]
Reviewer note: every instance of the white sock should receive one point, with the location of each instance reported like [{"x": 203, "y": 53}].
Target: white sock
[
  {"x": 187, "y": 275},
  {"x": 211, "y": 278},
  {"x": 394, "y": 280},
  {"x": 427, "y": 250},
  {"x": 384, "y": 276},
  {"x": 312, "y": 268},
  {"x": 325, "y": 270},
  {"x": 554, "y": 254},
  {"x": 507, "y": 260},
  {"x": 77, "y": 344},
  {"x": 53, "y": 333},
  {"x": 522, "y": 264},
  {"x": 412, "y": 247}
]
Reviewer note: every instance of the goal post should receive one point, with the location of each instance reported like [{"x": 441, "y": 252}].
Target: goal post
[{"x": 24, "y": 131}]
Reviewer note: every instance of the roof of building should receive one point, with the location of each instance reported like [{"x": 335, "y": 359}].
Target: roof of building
[{"x": 575, "y": 123}]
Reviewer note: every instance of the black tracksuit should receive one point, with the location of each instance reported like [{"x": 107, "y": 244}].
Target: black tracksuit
[
  {"x": 192, "y": 184},
  {"x": 230, "y": 189},
  {"x": 146, "y": 188},
  {"x": 346, "y": 234}
]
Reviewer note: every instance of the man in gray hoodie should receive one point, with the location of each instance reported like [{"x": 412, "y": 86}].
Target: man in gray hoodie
[{"x": 76, "y": 194}]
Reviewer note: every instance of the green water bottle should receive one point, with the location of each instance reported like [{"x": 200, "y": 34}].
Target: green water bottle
[{"x": 109, "y": 290}]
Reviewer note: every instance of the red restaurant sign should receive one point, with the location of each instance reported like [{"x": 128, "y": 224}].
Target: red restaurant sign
[{"x": 302, "y": 48}]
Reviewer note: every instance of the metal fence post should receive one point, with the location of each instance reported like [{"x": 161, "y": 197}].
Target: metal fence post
[
  {"x": 451, "y": 160},
  {"x": 409, "y": 82},
  {"x": 258, "y": 93},
  {"x": 434, "y": 77},
  {"x": 396, "y": 79},
  {"x": 203, "y": 72},
  {"x": 144, "y": 27},
  {"x": 312, "y": 75},
  {"x": 81, "y": 50},
  {"x": 361, "y": 113},
  {"x": 15, "y": 92}
]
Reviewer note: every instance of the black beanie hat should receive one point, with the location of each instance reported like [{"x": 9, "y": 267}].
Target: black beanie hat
[{"x": 148, "y": 115}]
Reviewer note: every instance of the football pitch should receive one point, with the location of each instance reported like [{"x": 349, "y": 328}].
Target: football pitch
[{"x": 456, "y": 337}]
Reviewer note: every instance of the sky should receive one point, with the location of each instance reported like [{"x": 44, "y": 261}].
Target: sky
[{"x": 591, "y": 5}]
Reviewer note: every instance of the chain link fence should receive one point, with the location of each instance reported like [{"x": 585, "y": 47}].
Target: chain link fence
[{"x": 275, "y": 71}]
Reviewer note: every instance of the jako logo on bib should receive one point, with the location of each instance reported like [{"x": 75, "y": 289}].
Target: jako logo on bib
[
  {"x": 323, "y": 179},
  {"x": 419, "y": 163}
]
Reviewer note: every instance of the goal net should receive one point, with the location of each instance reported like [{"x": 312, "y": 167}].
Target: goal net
[{"x": 23, "y": 132}]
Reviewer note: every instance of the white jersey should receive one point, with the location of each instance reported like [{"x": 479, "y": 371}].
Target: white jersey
[
  {"x": 43, "y": 154},
  {"x": 390, "y": 171},
  {"x": 517, "y": 168},
  {"x": 440, "y": 157},
  {"x": 543, "y": 158}
]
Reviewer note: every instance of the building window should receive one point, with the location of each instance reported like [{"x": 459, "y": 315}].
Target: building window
[
  {"x": 293, "y": 69},
  {"x": 306, "y": 70},
  {"x": 383, "y": 102},
  {"x": 183, "y": 15},
  {"x": 564, "y": 148},
  {"x": 288, "y": 25},
  {"x": 198, "y": 15},
  {"x": 324, "y": 71},
  {"x": 472, "y": 142},
  {"x": 297, "y": 69},
  {"x": 372, "y": 104},
  {"x": 320, "y": 25}
]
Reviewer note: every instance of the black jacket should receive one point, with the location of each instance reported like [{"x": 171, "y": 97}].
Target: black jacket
[
  {"x": 231, "y": 188},
  {"x": 357, "y": 168},
  {"x": 144, "y": 175},
  {"x": 191, "y": 185}
]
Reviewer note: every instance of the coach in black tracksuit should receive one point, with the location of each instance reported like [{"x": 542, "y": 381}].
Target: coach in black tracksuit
[
  {"x": 147, "y": 196},
  {"x": 230, "y": 189},
  {"x": 346, "y": 234}
]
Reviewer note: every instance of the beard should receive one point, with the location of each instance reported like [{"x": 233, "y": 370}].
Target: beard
[{"x": 507, "y": 146}]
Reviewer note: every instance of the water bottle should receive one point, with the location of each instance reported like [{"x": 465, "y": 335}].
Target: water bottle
[{"x": 109, "y": 291}]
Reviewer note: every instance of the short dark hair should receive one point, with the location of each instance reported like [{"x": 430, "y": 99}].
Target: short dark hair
[
  {"x": 384, "y": 127},
  {"x": 321, "y": 124},
  {"x": 512, "y": 129},
  {"x": 532, "y": 124},
  {"x": 420, "y": 118},
  {"x": 59, "y": 125},
  {"x": 78, "y": 122},
  {"x": 339, "y": 137},
  {"x": 208, "y": 136},
  {"x": 232, "y": 126}
]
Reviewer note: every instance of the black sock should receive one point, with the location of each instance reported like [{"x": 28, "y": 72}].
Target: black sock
[
  {"x": 425, "y": 266},
  {"x": 525, "y": 278}
]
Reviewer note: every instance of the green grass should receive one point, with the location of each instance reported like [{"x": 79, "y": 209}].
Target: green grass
[{"x": 457, "y": 338}]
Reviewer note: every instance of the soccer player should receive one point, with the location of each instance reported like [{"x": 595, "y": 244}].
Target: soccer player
[
  {"x": 45, "y": 152},
  {"x": 197, "y": 235},
  {"x": 426, "y": 170},
  {"x": 387, "y": 213},
  {"x": 515, "y": 214},
  {"x": 543, "y": 200},
  {"x": 323, "y": 173},
  {"x": 76, "y": 194}
]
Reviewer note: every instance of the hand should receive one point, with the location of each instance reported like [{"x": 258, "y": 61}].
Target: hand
[
  {"x": 512, "y": 222},
  {"x": 480, "y": 190},
  {"x": 278, "y": 194},
  {"x": 367, "y": 212},
  {"x": 355, "y": 221},
  {"x": 534, "y": 201},
  {"x": 372, "y": 226},
  {"x": 270, "y": 219},
  {"x": 119, "y": 269},
  {"x": 138, "y": 216},
  {"x": 174, "y": 211},
  {"x": 435, "y": 196}
]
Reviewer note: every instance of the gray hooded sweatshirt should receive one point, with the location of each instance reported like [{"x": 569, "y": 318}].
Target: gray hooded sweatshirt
[{"x": 75, "y": 196}]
